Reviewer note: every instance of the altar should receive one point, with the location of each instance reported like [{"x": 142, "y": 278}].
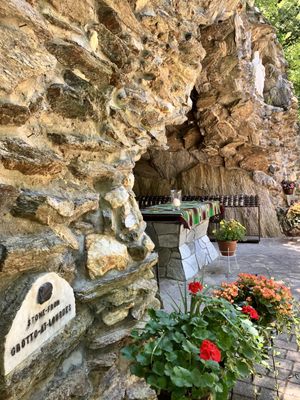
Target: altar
[{"x": 180, "y": 237}]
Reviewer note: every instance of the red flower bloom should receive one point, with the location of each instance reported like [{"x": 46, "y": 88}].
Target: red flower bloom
[
  {"x": 209, "y": 351},
  {"x": 250, "y": 311},
  {"x": 195, "y": 287}
]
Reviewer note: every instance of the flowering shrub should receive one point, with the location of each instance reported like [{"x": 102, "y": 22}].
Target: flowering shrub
[
  {"x": 271, "y": 300},
  {"x": 196, "y": 351},
  {"x": 293, "y": 214},
  {"x": 230, "y": 230}
]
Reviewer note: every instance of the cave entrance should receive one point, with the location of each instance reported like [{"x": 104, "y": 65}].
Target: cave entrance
[
  {"x": 191, "y": 163},
  {"x": 159, "y": 170}
]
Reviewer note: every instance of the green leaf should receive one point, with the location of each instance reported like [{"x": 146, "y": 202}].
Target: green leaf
[
  {"x": 135, "y": 334},
  {"x": 181, "y": 357},
  {"x": 166, "y": 345},
  {"x": 204, "y": 380},
  {"x": 152, "y": 313},
  {"x": 168, "y": 369},
  {"x": 190, "y": 347},
  {"x": 182, "y": 377},
  {"x": 287, "y": 35},
  {"x": 225, "y": 328},
  {"x": 242, "y": 368},
  {"x": 177, "y": 337},
  {"x": 137, "y": 370},
  {"x": 249, "y": 327},
  {"x": 158, "y": 368},
  {"x": 248, "y": 352},
  {"x": 187, "y": 329},
  {"x": 128, "y": 352},
  {"x": 158, "y": 382},
  {"x": 219, "y": 388},
  {"x": 200, "y": 333},
  {"x": 229, "y": 378},
  {"x": 225, "y": 340},
  {"x": 152, "y": 348},
  {"x": 210, "y": 379},
  {"x": 148, "y": 347},
  {"x": 171, "y": 356},
  {"x": 143, "y": 359},
  {"x": 179, "y": 395},
  {"x": 198, "y": 322},
  {"x": 213, "y": 365},
  {"x": 199, "y": 393},
  {"x": 222, "y": 392}
]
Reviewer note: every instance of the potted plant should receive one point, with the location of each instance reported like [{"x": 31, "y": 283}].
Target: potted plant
[
  {"x": 288, "y": 186},
  {"x": 268, "y": 303},
  {"x": 197, "y": 352},
  {"x": 229, "y": 232}
]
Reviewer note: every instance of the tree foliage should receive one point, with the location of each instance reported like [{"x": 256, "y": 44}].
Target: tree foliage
[{"x": 284, "y": 15}]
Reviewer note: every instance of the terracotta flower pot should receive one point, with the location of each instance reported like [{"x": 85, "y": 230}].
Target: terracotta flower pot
[
  {"x": 288, "y": 191},
  {"x": 227, "y": 248}
]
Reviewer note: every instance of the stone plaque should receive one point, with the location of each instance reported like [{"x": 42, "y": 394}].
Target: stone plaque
[{"x": 47, "y": 307}]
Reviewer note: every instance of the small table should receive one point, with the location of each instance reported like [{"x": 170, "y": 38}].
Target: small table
[{"x": 180, "y": 237}]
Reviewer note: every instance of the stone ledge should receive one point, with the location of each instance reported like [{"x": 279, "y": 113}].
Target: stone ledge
[
  {"x": 100, "y": 336},
  {"x": 28, "y": 252},
  {"x": 87, "y": 290},
  {"x": 49, "y": 208},
  {"x": 16, "y": 154},
  {"x": 72, "y": 55}
]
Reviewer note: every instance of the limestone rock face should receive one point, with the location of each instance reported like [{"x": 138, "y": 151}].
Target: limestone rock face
[
  {"x": 117, "y": 197},
  {"x": 104, "y": 254},
  {"x": 243, "y": 121},
  {"x": 195, "y": 96}
]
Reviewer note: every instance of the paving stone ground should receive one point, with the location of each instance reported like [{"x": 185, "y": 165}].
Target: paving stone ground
[{"x": 279, "y": 258}]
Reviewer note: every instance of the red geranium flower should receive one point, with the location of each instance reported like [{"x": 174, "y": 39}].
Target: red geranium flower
[
  {"x": 209, "y": 351},
  {"x": 195, "y": 287},
  {"x": 251, "y": 312}
]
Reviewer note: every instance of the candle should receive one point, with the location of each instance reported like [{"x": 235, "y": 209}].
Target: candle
[{"x": 176, "y": 202}]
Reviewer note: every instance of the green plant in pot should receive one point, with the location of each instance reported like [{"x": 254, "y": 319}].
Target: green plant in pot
[
  {"x": 197, "y": 352},
  {"x": 227, "y": 236}
]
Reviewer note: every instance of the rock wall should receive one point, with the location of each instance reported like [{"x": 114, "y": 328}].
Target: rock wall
[
  {"x": 241, "y": 135},
  {"x": 86, "y": 88}
]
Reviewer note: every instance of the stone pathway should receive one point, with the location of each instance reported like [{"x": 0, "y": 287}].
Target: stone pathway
[{"x": 279, "y": 258}]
